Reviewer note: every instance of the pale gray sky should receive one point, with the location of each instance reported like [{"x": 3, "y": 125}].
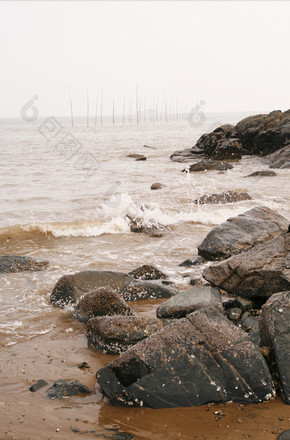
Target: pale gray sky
[{"x": 234, "y": 55}]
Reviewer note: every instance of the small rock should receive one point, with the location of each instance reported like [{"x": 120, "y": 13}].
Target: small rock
[
  {"x": 249, "y": 322},
  {"x": 147, "y": 272},
  {"x": 234, "y": 314},
  {"x": 83, "y": 366},
  {"x": 61, "y": 389},
  {"x": 137, "y": 156},
  {"x": 144, "y": 289},
  {"x": 208, "y": 165},
  {"x": 38, "y": 385},
  {"x": 225, "y": 197},
  {"x": 197, "y": 261},
  {"x": 157, "y": 185}
]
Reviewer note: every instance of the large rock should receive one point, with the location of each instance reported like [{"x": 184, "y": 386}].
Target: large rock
[
  {"x": 144, "y": 289},
  {"x": 70, "y": 288},
  {"x": 193, "y": 361},
  {"x": 279, "y": 159},
  {"x": 114, "y": 334},
  {"x": 264, "y": 134},
  {"x": 241, "y": 233},
  {"x": 224, "y": 197},
  {"x": 258, "y": 134},
  {"x": 188, "y": 301},
  {"x": 209, "y": 165},
  {"x": 16, "y": 263},
  {"x": 275, "y": 333},
  {"x": 259, "y": 272},
  {"x": 221, "y": 144},
  {"x": 101, "y": 302}
]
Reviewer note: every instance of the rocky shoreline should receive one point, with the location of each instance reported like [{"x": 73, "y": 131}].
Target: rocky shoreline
[{"x": 227, "y": 338}]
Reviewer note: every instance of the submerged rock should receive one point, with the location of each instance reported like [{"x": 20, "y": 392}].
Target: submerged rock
[
  {"x": 193, "y": 361},
  {"x": 70, "y": 288},
  {"x": 147, "y": 272},
  {"x": 156, "y": 186},
  {"x": 137, "y": 225},
  {"x": 208, "y": 165},
  {"x": 115, "y": 334},
  {"x": 17, "y": 263},
  {"x": 144, "y": 289},
  {"x": 275, "y": 333},
  {"x": 137, "y": 156},
  {"x": 241, "y": 233},
  {"x": 196, "y": 262},
  {"x": 188, "y": 301},
  {"x": 257, "y": 273},
  {"x": 224, "y": 197},
  {"x": 61, "y": 389},
  {"x": 264, "y": 173},
  {"x": 101, "y": 302}
]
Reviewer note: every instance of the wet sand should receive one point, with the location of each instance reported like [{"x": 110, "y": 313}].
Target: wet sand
[{"x": 29, "y": 416}]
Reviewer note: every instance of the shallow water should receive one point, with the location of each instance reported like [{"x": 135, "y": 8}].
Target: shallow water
[{"x": 73, "y": 213}]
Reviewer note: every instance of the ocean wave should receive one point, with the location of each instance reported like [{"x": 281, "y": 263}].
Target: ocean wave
[{"x": 114, "y": 218}]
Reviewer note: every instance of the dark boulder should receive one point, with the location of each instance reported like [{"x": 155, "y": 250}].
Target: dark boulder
[
  {"x": 275, "y": 333},
  {"x": 16, "y": 263},
  {"x": 264, "y": 134},
  {"x": 144, "y": 289},
  {"x": 241, "y": 233},
  {"x": 147, "y": 272},
  {"x": 193, "y": 361},
  {"x": 224, "y": 197},
  {"x": 70, "y": 288},
  {"x": 285, "y": 435},
  {"x": 188, "y": 301},
  {"x": 209, "y": 165},
  {"x": 61, "y": 389},
  {"x": 257, "y": 273},
  {"x": 264, "y": 173},
  {"x": 101, "y": 302},
  {"x": 279, "y": 159},
  {"x": 115, "y": 334}
]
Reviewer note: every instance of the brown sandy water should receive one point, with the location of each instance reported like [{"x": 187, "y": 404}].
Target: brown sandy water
[{"x": 51, "y": 210}]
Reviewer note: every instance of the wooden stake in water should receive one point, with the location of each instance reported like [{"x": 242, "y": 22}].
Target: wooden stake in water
[
  {"x": 96, "y": 115},
  {"x": 137, "y": 106},
  {"x": 102, "y": 108},
  {"x": 124, "y": 106},
  {"x": 71, "y": 109},
  {"x": 113, "y": 119},
  {"x": 88, "y": 108}
]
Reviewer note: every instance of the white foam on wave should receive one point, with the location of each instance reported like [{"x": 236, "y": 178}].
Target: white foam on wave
[
  {"x": 80, "y": 228},
  {"x": 114, "y": 217}
]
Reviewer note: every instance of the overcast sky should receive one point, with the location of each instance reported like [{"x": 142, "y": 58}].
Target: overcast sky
[{"x": 234, "y": 55}]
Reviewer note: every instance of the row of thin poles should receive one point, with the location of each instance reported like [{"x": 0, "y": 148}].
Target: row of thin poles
[{"x": 135, "y": 112}]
